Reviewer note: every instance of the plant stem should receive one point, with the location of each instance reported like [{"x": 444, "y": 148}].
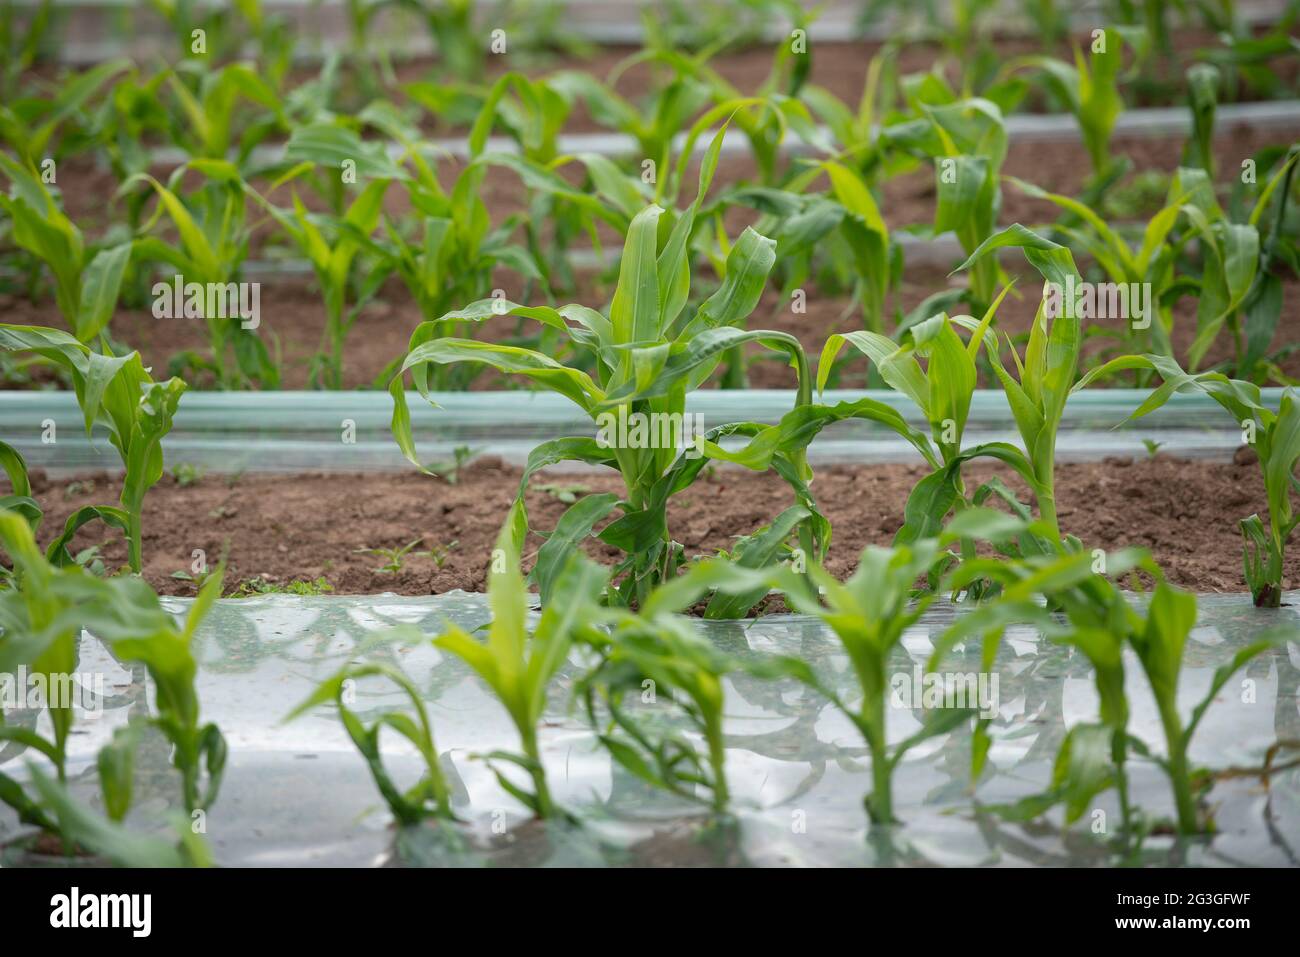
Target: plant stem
[
  {"x": 1045, "y": 473},
  {"x": 717, "y": 758},
  {"x": 133, "y": 544},
  {"x": 1179, "y": 778},
  {"x": 545, "y": 807},
  {"x": 1118, "y": 756},
  {"x": 880, "y": 802}
]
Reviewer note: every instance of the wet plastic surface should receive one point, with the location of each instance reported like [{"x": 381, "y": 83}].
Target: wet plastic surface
[
  {"x": 298, "y": 794},
  {"x": 229, "y": 432}
]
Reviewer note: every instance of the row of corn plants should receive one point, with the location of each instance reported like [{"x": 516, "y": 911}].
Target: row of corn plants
[
  {"x": 655, "y": 343},
  {"x": 609, "y": 655},
  {"x": 353, "y": 190},
  {"x": 357, "y": 196}
]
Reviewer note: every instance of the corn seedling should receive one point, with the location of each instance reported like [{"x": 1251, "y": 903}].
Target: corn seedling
[
  {"x": 657, "y": 655},
  {"x": 213, "y": 243},
  {"x": 198, "y": 748},
  {"x": 449, "y": 470},
  {"x": 430, "y": 796},
  {"x": 32, "y": 127},
  {"x": 518, "y": 666},
  {"x": 439, "y": 554},
  {"x": 869, "y": 612},
  {"x": 186, "y": 474},
  {"x": 684, "y": 672},
  {"x": 966, "y": 140},
  {"x": 1046, "y": 374},
  {"x": 208, "y": 104},
  {"x": 43, "y": 615},
  {"x": 394, "y": 558},
  {"x": 118, "y": 393},
  {"x": 1102, "y": 624},
  {"x": 86, "y": 281},
  {"x": 847, "y": 221},
  {"x": 941, "y": 389},
  {"x": 331, "y": 246},
  {"x": 778, "y": 108},
  {"x": 1089, "y": 89},
  {"x": 452, "y": 256},
  {"x": 648, "y": 354},
  {"x": 81, "y": 827},
  {"x": 669, "y": 108}
]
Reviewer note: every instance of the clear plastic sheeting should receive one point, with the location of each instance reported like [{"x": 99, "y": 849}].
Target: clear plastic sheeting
[
  {"x": 298, "y": 793},
  {"x": 230, "y": 432}
]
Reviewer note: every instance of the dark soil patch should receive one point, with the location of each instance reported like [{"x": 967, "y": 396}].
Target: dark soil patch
[{"x": 286, "y": 528}]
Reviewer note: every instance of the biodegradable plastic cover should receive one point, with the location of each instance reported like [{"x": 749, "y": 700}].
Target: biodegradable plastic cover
[{"x": 298, "y": 793}]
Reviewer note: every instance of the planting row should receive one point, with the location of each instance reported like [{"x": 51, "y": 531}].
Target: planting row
[
  {"x": 646, "y": 353},
  {"x": 368, "y": 207},
  {"x": 376, "y": 533},
  {"x": 652, "y": 692},
  {"x": 383, "y": 42}
]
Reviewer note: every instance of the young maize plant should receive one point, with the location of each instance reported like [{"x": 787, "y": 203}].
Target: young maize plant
[
  {"x": 1237, "y": 288},
  {"x": 455, "y": 251},
  {"x": 1151, "y": 266},
  {"x": 1103, "y": 625},
  {"x": 669, "y": 108},
  {"x": 665, "y": 651},
  {"x": 213, "y": 243},
  {"x": 1089, "y": 88},
  {"x": 941, "y": 390},
  {"x": 43, "y": 615},
  {"x": 656, "y": 648},
  {"x": 331, "y": 245},
  {"x": 856, "y": 136},
  {"x": 1203, "y": 81},
  {"x": 151, "y": 639},
  {"x": 1275, "y": 436},
  {"x": 24, "y": 37},
  {"x": 82, "y": 827},
  {"x": 118, "y": 393},
  {"x": 518, "y": 664},
  {"x": 206, "y": 128},
  {"x": 430, "y": 796},
  {"x": 533, "y": 111},
  {"x": 846, "y": 227},
  {"x": 559, "y": 213},
  {"x": 967, "y": 142},
  {"x": 1234, "y": 287},
  {"x": 765, "y": 130},
  {"x": 86, "y": 281},
  {"x": 648, "y": 354},
  {"x": 869, "y": 612},
  {"x": 1045, "y": 378},
  {"x": 32, "y": 127}
]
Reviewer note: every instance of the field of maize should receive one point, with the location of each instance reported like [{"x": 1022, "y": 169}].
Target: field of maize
[{"x": 640, "y": 434}]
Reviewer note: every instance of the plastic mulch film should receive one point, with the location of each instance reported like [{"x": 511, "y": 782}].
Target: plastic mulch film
[
  {"x": 299, "y": 794},
  {"x": 225, "y": 432}
]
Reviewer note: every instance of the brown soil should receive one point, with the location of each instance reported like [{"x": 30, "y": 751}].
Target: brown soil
[{"x": 300, "y": 527}]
